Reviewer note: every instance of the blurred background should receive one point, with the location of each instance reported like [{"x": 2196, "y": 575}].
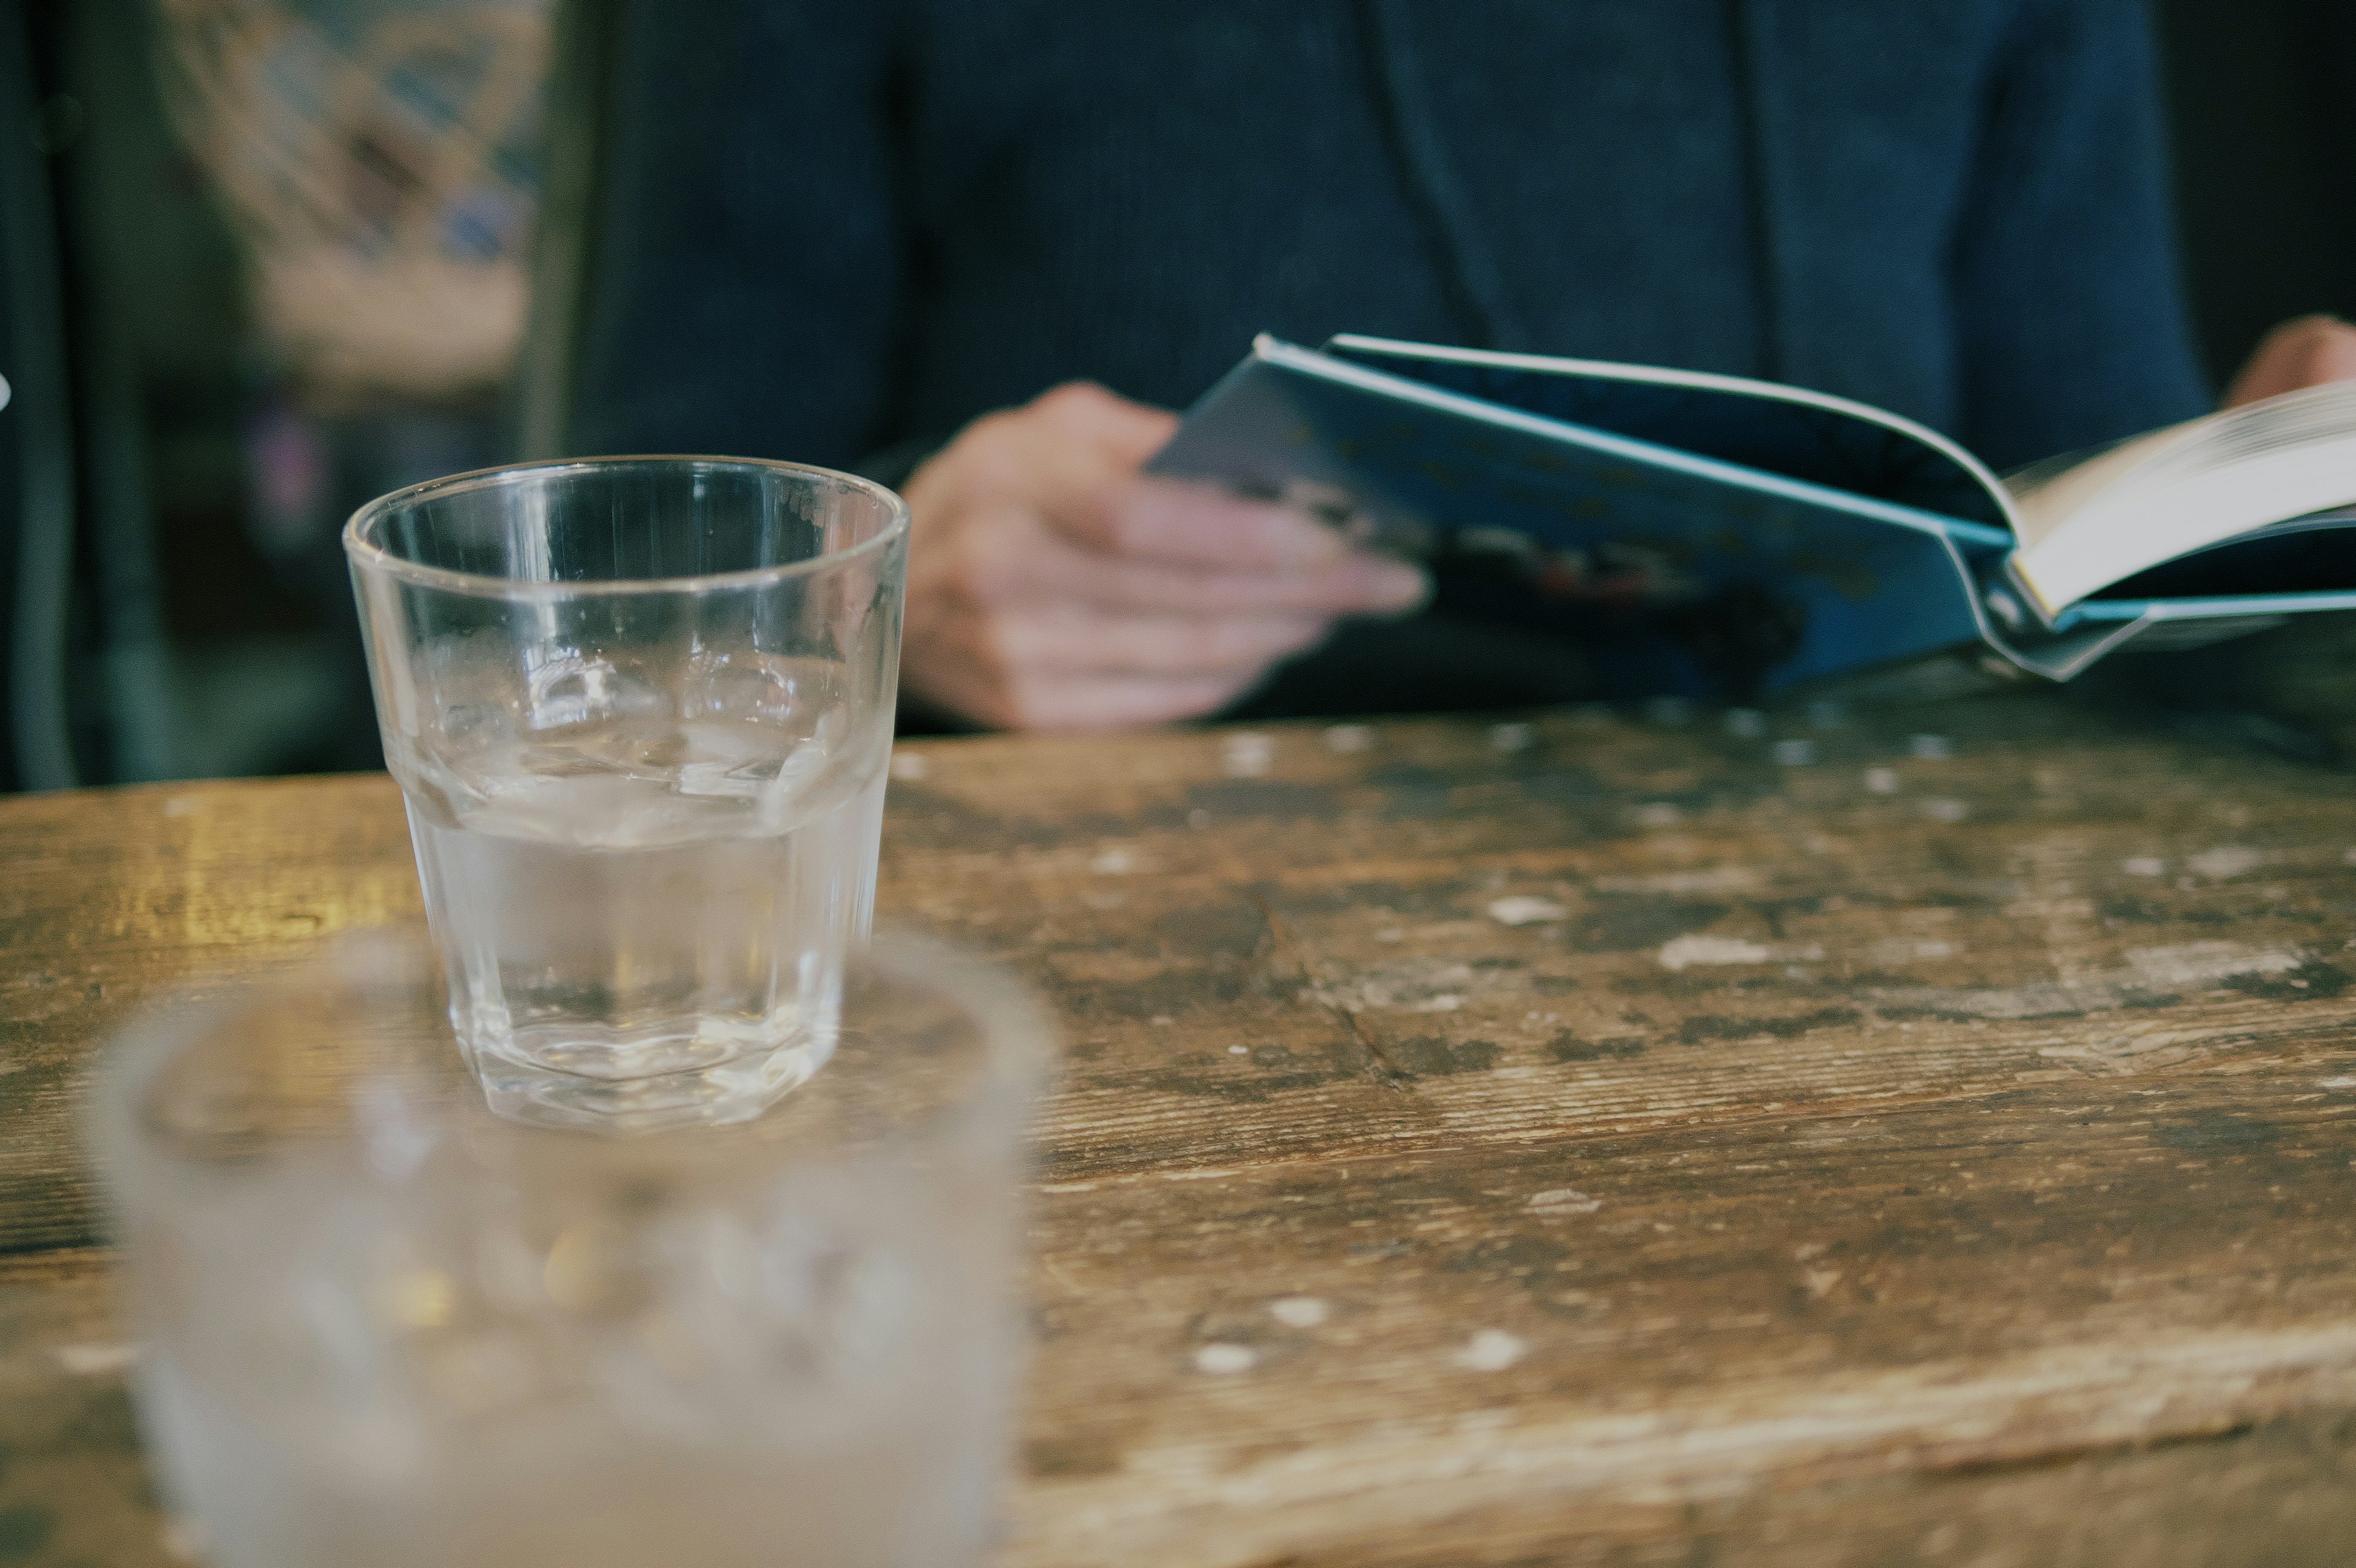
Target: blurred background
[{"x": 263, "y": 260}]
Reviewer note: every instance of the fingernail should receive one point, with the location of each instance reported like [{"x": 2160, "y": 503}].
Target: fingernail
[{"x": 1394, "y": 585}]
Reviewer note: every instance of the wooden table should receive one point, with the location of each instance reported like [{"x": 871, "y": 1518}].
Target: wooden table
[{"x": 1789, "y": 1141}]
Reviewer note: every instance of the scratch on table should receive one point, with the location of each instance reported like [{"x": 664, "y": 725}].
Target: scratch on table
[
  {"x": 2189, "y": 967},
  {"x": 2228, "y": 861},
  {"x": 1714, "y": 880},
  {"x": 98, "y": 1361},
  {"x": 1694, "y": 948}
]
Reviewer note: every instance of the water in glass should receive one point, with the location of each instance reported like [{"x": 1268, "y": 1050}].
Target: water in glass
[{"x": 645, "y": 900}]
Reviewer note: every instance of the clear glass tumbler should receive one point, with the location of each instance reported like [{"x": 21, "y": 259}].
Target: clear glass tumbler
[
  {"x": 641, "y": 712},
  {"x": 380, "y": 1325}
]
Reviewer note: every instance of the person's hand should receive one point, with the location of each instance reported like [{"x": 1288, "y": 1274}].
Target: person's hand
[
  {"x": 1053, "y": 586},
  {"x": 2306, "y": 352}
]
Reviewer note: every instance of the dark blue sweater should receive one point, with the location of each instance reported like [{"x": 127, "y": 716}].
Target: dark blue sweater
[
  {"x": 835, "y": 232},
  {"x": 833, "y": 226}
]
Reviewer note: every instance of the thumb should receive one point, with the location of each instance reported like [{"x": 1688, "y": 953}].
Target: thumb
[{"x": 1122, "y": 433}]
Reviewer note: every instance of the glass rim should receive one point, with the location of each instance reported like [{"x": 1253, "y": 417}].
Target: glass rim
[
  {"x": 138, "y": 1172},
  {"x": 366, "y": 554}
]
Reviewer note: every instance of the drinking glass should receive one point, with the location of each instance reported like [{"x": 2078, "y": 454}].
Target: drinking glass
[
  {"x": 381, "y": 1325},
  {"x": 640, "y": 709}
]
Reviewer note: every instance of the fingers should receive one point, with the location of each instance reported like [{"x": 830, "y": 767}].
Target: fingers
[
  {"x": 1355, "y": 584},
  {"x": 1171, "y": 520},
  {"x": 1074, "y": 453},
  {"x": 1050, "y": 585},
  {"x": 1010, "y": 557},
  {"x": 1069, "y": 639},
  {"x": 1083, "y": 413},
  {"x": 2308, "y": 352},
  {"x": 1098, "y": 702},
  {"x": 1074, "y": 700}
]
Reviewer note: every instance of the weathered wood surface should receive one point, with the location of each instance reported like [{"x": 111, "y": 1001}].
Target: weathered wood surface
[{"x": 1574, "y": 1142}]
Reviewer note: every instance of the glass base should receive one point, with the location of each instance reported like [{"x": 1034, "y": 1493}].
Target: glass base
[{"x": 690, "y": 1073}]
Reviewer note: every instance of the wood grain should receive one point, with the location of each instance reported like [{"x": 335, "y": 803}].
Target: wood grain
[
  {"x": 1798, "y": 1138},
  {"x": 108, "y": 897}
]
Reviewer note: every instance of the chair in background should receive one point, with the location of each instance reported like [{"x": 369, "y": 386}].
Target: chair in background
[{"x": 207, "y": 310}]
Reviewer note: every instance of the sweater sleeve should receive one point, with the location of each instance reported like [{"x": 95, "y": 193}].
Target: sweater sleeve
[
  {"x": 2070, "y": 313},
  {"x": 747, "y": 258}
]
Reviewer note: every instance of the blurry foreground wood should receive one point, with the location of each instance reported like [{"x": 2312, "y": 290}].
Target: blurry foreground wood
[{"x": 1807, "y": 1139}]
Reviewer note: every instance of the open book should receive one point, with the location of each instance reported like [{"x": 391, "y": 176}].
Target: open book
[{"x": 1879, "y": 540}]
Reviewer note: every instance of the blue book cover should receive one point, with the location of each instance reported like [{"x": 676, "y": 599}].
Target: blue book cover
[{"x": 1881, "y": 540}]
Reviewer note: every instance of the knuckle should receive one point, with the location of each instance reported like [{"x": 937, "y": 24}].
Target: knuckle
[
  {"x": 965, "y": 577},
  {"x": 1119, "y": 527},
  {"x": 1073, "y": 400},
  {"x": 995, "y": 465},
  {"x": 993, "y": 428},
  {"x": 996, "y": 652},
  {"x": 977, "y": 574}
]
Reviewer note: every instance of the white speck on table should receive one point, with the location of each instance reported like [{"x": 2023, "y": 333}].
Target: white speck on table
[
  {"x": 2219, "y": 864},
  {"x": 1247, "y": 754},
  {"x": 1899, "y": 949},
  {"x": 1492, "y": 1350},
  {"x": 1525, "y": 911},
  {"x": 1513, "y": 736},
  {"x": 1299, "y": 1311},
  {"x": 1221, "y": 1358},
  {"x": 1696, "y": 948}
]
